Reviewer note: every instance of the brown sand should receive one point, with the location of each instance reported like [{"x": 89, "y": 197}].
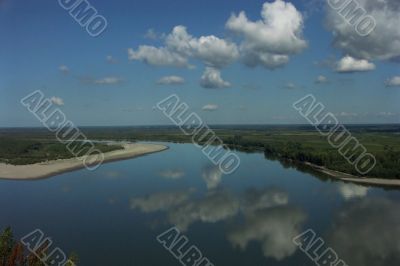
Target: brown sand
[{"x": 51, "y": 168}]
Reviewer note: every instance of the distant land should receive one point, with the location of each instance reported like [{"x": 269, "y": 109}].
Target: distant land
[{"x": 296, "y": 143}]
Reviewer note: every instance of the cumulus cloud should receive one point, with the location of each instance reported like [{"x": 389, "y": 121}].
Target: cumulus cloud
[
  {"x": 111, "y": 60},
  {"x": 216, "y": 206},
  {"x": 393, "y": 82},
  {"x": 350, "y": 191},
  {"x": 268, "y": 220},
  {"x": 160, "y": 201},
  {"x": 57, "y": 101},
  {"x": 221, "y": 205},
  {"x": 172, "y": 173},
  {"x": 290, "y": 86},
  {"x": 347, "y": 114},
  {"x": 273, "y": 227},
  {"x": 367, "y": 232},
  {"x": 108, "y": 81},
  {"x": 209, "y": 107},
  {"x": 269, "y": 42},
  {"x": 212, "y": 176},
  {"x": 212, "y": 79},
  {"x": 213, "y": 51},
  {"x": 349, "y": 64},
  {"x": 382, "y": 43},
  {"x": 64, "y": 69},
  {"x": 151, "y": 34},
  {"x": 321, "y": 79},
  {"x": 157, "y": 56},
  {"x": 171, "y": 80},
  {"x": 255, "y": 199},
  {"x": 386, "y": 114},
  {"x": 180, "y": 46}
]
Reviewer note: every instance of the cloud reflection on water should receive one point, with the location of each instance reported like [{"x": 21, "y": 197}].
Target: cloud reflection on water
[
  {"x": 268, "y": 217},
  {"x": 367, "y": 232}
]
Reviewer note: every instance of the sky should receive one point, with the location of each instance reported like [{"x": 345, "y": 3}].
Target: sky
[{"x": 231, "y": 61}]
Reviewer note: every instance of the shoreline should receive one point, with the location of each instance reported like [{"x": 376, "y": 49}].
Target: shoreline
[
  {"x": 57, "y": 167},
  {"x": 380, "y": 182}
]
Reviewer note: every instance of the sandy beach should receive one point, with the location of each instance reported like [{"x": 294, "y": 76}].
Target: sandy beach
[
  {"x": 51, "y": 168},
  {"x": 380, "y": 182}
]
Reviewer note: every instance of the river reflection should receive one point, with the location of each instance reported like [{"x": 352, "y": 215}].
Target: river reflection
[
  {"x": 367, "y": 232},
  {"x": 112, "y": 216},
  {"x": 261, "y": 215}
]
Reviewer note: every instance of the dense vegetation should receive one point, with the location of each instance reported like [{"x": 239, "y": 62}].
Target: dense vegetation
[
  {"x": 14, "y": 253},
  {"x": 295, "y": 143},
  {"x": 19, "y": 151},
  {"x": 316, "y": 150}
]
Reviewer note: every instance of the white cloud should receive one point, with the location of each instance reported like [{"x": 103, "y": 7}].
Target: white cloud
[
  {"x": 111, "y": 60},
  {"x": 171, "y": 80},
  {"x": 213, "y": 51},
  {"x": 64, "y": 69},
  {"x": 347, "y": 114},
  {"x": 273, "y": 227},
  {"x": 160, "y": 201},
  {"x": 219, "y": 205},
  {"x": 157, "y": 56},
  {"x": 210, "y": 107},
  {"x": 367, "y": 232},
  {"x": 255, "y": 199},
  {"x": 271, "y": 61},
  {"x": 180, "y": 46},
  {"x": 270, "y": 41},
  {"x": 214, "y": 207},
  {"x": 290, "y": 86},
  {"x": 212, "y": 176},
  {"x": 212, "y": 79},
  {"x": 57, "y": 101},
  {"x": 321, "y": 79},
  {"x": 172, "y": 173},
  {"x": 108, "y": 81},
  {"x": 382, "y": 43},
  {"x": 151, "y": 34},
  {"x": 393, "y": 82},
  {"x": 350, "y": 64},
  {"x": 183, "y": 209},
  {"x": 386, "y": 113},
  {"x": 350, "y": 191}
]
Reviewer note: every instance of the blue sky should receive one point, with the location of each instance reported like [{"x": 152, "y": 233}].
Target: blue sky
[{"x": 44, "y": 48}]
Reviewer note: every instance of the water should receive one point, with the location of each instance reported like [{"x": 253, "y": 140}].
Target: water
[{"x": 113, "y": 215}]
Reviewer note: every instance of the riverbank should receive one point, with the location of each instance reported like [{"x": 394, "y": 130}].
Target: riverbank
[
  {"x": 355, "y": 179},
  {"x": 51, "y": 168}
]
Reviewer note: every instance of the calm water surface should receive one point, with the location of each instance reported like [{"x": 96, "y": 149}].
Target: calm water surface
[{"x": 113, "y": 215}]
